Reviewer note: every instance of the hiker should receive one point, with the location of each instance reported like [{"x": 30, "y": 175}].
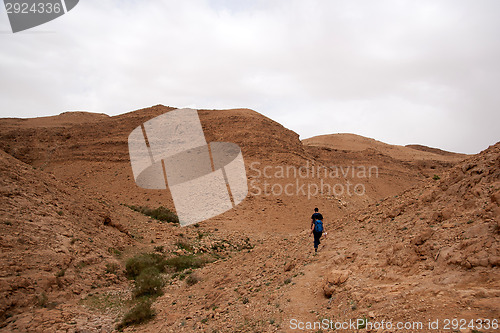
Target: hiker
[{"x": 316, "y": 227}]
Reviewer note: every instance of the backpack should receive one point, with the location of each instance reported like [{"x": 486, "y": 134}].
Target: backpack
[{"x": 318, "y": 226}]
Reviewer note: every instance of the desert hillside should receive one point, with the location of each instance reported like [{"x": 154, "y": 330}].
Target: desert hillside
[
  {"x": 420, "y": 242},
  {"x": 63, "y": 252},
  {"x": 54, "y": 240},
  {"x": 91, "y": 151},
  {"x": 353, "y": 142},
  {"x": 429, "y": 253},
  {"x": 428, "y": 161}
]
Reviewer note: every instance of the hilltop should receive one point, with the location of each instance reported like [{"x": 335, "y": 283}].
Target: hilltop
[{"x": 353, "y": 142}]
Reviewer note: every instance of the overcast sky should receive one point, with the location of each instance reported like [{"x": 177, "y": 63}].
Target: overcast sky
[{"x": 398, "y": 71}]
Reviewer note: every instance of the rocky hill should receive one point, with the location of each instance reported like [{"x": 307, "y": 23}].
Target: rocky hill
[
  {"x": 55, "y": 243},
  {"x": 420, "y": 242},
  {"x": 410, "y": 153},
  {"x": 63, "y": 252},
  {"x": 91, "y": 151},
  {"x": 430, "y": 253}
]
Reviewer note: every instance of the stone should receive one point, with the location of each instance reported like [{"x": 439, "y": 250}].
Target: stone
[{"x": 333, "y": 279}]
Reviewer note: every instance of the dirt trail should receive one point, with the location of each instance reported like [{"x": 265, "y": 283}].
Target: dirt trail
[{"x": 307, "y": 295}]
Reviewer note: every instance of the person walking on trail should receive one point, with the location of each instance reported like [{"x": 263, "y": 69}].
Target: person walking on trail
[{"x": 316, "y": 227}]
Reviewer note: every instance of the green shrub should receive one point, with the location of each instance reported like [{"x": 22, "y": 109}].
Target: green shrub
[
  {"x": 160, "y": 213},
  {"x": 42, "y": 300},
  {"x": 184, "y": 246},
  {"x": 436, "y": 177},
  {"x": 164, "y": 214},
  {"x": 159, "y": 248},
  {"x": 181, "y": 263},
  {"x": 192, "y": 280},
  {"x": 60, "y": 273},
  {"x": 112, "y": 267},
  {"x": 137, "y": 264},
  {"x": 139, "y": 314},
  {"x": 115, "y": 252},
  {"x": 148, "y": 283}
]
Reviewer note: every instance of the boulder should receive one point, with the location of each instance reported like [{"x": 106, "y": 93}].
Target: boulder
[{"x": 333, "y": 279}]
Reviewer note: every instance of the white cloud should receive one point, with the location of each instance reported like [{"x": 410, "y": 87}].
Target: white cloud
[{"x": 399, "y": 71}]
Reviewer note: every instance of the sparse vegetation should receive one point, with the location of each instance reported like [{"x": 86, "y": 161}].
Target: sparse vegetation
[
  {"x": 161, "y": 213},
  {"x": 148, "y": 283},
  {"x": 137, "y": 264},
  {"x": 436, "y": 177},
  {"x": 60, "y": 273},
  {"x": 181, "y": 263},
  {"x": 145, "y": 269},
  {"x": 42, "y": 300},
  {"x": 103, "y": 301},
  {"x": 184, "y": 246},
  {"x": 192, "y": 279},
  {"x": 139, "y": 314},
  {"x": 81, "y": 264},
  {"x": 159, "y": 249},
  {"x": 112, "y": 268},
  {"x": 246, "y": 246},
  {"x": 115, "y": 252}
]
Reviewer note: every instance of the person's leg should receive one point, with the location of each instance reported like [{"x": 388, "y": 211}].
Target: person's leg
[{"x": 316, "y": 240}]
